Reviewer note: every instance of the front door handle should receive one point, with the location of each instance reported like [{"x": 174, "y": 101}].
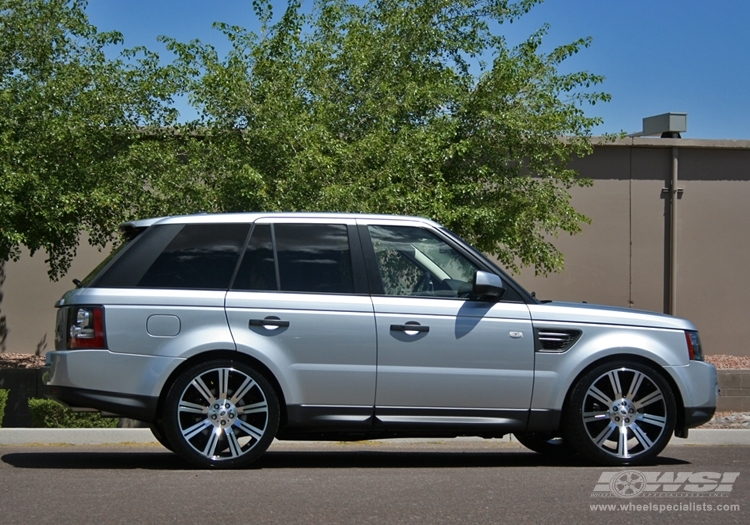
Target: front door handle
[
  {"x": 269, "y": 323},
  {"x": 410, "y": 328}
]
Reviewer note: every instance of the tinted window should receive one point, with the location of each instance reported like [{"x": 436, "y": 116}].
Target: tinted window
[
  {"x": 258, "y": 270},
  {"x": 314, "y": 258},
  {"x": 99, "y": 267},
  {"x": 201, "y": 256},
  {"x": 130, "y": 263},
  {"x": 412, "y": 261}
]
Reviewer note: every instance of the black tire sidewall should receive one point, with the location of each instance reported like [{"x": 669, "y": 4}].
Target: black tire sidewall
[
  {"x": 171, "y": 424},
  {"x": 577, "y": 435},
  {"x": 157, "y": 429}
]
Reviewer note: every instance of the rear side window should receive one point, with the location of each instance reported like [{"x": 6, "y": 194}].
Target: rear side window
[
  {"x": 311, "y": 258},
  {"x": 314, "y": 258},
  {"x": 193, "y": 256},
  {"x": 201, "y": 256}
]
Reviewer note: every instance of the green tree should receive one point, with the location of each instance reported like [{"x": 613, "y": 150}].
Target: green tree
[
  {"x": 381, "y": 107},
  {"x": 397, "y": 106},
  {"x": 76, "y": 129}
]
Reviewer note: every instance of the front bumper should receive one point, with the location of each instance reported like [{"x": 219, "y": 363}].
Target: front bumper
[
  {"x": 695, "y": 417},
  {"x": 698, "y": 383}
]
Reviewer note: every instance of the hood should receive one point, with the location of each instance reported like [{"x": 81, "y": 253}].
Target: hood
[{"x": 597, "y": 314}]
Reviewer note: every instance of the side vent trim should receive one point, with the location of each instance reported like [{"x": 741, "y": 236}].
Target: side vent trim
[{"x": 553, "y": 340}]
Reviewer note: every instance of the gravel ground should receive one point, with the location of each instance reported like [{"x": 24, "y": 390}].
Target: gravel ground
[
  {"x": 728, "y": 361},
  {"x": 729, "y": 420},
  {"x": 720, "y": 419},
  {"x": 21, "y": 360}
]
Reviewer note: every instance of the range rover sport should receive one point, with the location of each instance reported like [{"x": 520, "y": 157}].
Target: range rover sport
[{"x": 226, "y": 331}]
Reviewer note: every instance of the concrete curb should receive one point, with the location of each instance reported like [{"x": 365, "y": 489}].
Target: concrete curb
[
  {"x": 75, "y": 436},
  {"x": 143, "y": 436},
  {"x": 715, "y": 436}
]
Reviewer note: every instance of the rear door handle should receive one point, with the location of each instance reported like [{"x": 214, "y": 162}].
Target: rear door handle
[
  {"x": 410, "y": 328},
  {"x": 269, "y": 323}
]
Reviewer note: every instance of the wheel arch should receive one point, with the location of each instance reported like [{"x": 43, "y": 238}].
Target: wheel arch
[
  {"x": 679, "y": 403},
  {"x": 225, "y": 354}
]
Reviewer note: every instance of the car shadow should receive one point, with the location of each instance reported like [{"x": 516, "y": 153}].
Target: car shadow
[{"x": 363, "y": 459}]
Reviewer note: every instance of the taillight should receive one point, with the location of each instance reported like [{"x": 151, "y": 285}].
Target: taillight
[
  {"x": 694, "y": 345},
  {"x": 86, "y": 327}
]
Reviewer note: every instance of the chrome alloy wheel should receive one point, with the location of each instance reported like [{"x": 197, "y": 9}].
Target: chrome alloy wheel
[
  {"x": 221, "y": 414},
  {"x": 620, "y": 413},
  {"x": 625, "y": 412}
]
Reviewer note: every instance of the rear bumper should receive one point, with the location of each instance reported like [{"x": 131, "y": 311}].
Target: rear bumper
[
  {"x": 142, "y": 408},
  {"x": 128, "y": 385}
]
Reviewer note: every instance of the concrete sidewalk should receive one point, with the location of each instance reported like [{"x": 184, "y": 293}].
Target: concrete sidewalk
[{"x": 143, "y": 436}]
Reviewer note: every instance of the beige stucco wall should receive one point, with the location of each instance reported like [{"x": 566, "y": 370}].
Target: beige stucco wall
[
  {"x": 622, "y": 257},
  {"x": 619, "y": 259},
  {"x": 29, "y": 297}
]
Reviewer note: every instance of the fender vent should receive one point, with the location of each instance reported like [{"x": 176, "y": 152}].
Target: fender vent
[{"x": 553, "y": 340}]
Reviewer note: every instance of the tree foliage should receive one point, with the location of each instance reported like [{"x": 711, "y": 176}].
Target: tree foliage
[
  {"x": 391, "y": 106},
  {"x": 387, "y": 107},
  {"x": 72, "y": 154}
]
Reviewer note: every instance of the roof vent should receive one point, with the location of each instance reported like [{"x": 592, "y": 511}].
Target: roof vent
[{"x": 667, "y": 125}]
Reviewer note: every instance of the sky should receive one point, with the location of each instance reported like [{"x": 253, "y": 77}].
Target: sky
[{"x": 657, "y": 56}]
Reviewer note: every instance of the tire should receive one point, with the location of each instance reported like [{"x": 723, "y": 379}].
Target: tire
[
  {"x": 620, "y": 413},
  {"x": 157, "y": 429},
  {"x": 220, "y": 414},
  {"x": 546, "y": 443}
]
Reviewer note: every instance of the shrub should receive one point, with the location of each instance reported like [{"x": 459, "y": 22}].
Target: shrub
[
  {"x": 3, "y": 401},
  {"x": 46, "y": 413}
]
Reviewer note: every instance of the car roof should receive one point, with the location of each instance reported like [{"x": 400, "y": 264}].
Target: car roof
[{"x": 217, "y": 218}]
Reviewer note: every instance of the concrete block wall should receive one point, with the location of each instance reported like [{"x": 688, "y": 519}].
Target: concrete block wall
[{"x": 735, "y": 391}]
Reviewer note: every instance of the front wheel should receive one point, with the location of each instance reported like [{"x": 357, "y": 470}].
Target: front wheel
[
  {"x": 620, "y": 413},
  {"x": 221, "y": 414}
]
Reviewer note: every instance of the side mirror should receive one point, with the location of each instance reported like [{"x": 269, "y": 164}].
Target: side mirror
[{"x": 487, "y": 285}]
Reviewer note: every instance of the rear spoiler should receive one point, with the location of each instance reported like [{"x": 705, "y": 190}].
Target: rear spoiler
[{"x": 131, "y": 230}]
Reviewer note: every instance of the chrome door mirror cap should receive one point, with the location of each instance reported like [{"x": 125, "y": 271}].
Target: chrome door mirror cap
[{"x": 487, "y": 285}]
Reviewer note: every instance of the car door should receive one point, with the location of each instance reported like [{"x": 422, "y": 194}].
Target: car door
[
  {"x": 444, "y": 358},
  {"x": 300, "y": 305}
]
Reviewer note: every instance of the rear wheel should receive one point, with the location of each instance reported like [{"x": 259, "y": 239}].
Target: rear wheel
[
  {"x": 221, "y": 414},
  {"x": 157, "y": 429},
  {"x": 621, "y": 413}
]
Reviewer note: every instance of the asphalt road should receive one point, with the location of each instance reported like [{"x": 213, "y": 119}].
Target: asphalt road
[{"x": 381, "y": 483}]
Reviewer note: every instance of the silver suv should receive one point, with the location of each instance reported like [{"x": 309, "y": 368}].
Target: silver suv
[{"x": 225, "y": 331}]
